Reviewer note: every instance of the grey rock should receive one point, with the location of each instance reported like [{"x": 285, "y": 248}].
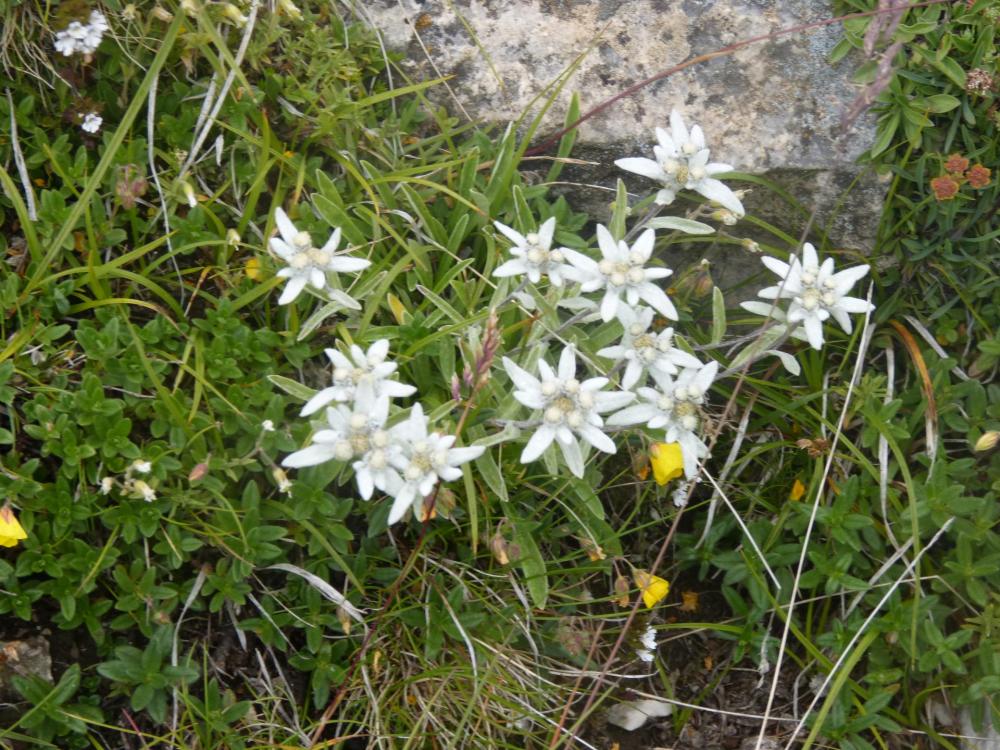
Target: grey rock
[{"x": 771, "y": 108}]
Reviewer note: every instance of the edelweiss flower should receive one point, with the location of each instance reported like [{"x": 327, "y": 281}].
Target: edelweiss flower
[
  {"x": 422, "y": 460},
  {"x": 623, "y": 270},
  {"x": 308, "y": 264},
  {"x": 349, "y": 434},
  {"x": 361, "y": 369},
  {"x": 92, "y": 122},
  {"x": 647, "y": 351},
  {"x": 682, "y": 163},
  {"x": 569, "y": 408},
  {"x": 674, "y": 407},
  {"x": 532, "y": 254},
  {"x": 816, "y": 292}
]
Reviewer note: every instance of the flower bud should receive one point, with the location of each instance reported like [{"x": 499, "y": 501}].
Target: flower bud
[
  {"x": 162, "y": 14},
  {"x": 232, "y": 238},
  {"x": 987, "y": 441}
]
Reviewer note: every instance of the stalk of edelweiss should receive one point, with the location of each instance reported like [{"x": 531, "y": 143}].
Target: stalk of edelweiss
[
  {"x": 675, "y": 407},
  {"x": 308, "y": 264},
  {"x": 623, "y": 270},
  {"x": 816, "y": 292},
  {"x": 682, "y": 163},
  {"x": 570, "y": 409},
  {"x": 360, "y": 369},
  {"x": 645, "y": 351}
]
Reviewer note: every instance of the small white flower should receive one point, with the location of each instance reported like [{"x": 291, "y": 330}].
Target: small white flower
[
  {"x": 308, "y": 264},
  {"x": 422, "y": 460},
  {"x": 644, "y": 351},
  {"x": 143, "y": 467},
  {"x": 362, "y": 368},
  {"x": 147, "y": 492},
  {"x": 675, "y": 407},
  {"x": 816, "y": 292},
  {"x": 682, "y": 163},
  {"x": 284, "y": 483},
  {"x": 267, "y": 425},
  {"x": 92, "y": 122},
  {"x": 66, "y": 39},
  {"x": 680, "y": 495},
  {"x": 569, "y": 409},
  {"x": 623, "y": 269},
  {"x": 648, "y": 651},
  {"x": 533, "y": 256},
  {"x": 107, "y": 483}
]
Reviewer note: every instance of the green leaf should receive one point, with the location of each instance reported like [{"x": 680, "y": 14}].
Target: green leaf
[
  {"x": 718, "y": 315},
  {"x": 619, "y": 213},
  {"x": 531, "y": 564},
  {"x": 292, "y": 387},
  {"x": 939, "y": 103},
  {"x": 688, "y": 226}
]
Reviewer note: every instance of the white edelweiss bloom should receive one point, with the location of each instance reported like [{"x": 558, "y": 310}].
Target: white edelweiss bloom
[
  {"x": 771, "y": 310},
  {"x": 422, "y": 460},
  {"x": 644, "y": 351},
  {"x": 308, "y": 264},
  {"x": 348, "y": 434},
  {"x": 675, "y": 407},
  {"x": 533, "y": 255},
  {"x": 361, "y": 369},
  {"x": 816, "y": 292},
  {"x": 92, "y": 122},
  {"x": 569, "y": 408},
  {"x": 682, "y": 163},
  {"x": 648, "y": 641},
  {"x": 623, "y": 269}
]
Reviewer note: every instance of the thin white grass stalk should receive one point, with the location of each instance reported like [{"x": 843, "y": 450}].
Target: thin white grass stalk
[
  {"x": 199, "y": 581},
  {"x": 741, "y": 433},
  {"x": 883, "y": 447},
  {"x": 223, "y": 92},
  {"x": 22, "y": 168},
  {"x": 927, "y": 336},
  {"x": 879, "y": 573},
  {"x": 743, "y": 527},
  {"x": 856, "y": 375},
  {"x": 846, "y": 651},
  {"x": 293, "y": 720},
  {"x": 151, "y": 158},
  {"x": 465, "y": 637}
]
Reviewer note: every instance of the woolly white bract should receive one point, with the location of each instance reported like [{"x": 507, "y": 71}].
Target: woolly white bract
[
  {"x": 362, "y": 369},
  {"x": 682, "y": 163},
  {"x": 569, "y": 408},
  {"x": 422, "y": 460},
  {"x": 308, "y": 264},
  {"x": 623, "y": 270},
  {"x": 532, "y": 255},
  {"x": 816, "y": 292},
  {"x": 675, "y": 407},
  {"x": 645, "y": 351}
]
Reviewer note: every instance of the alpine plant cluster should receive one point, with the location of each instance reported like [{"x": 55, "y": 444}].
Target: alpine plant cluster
[{"x": 648, "y": 379}]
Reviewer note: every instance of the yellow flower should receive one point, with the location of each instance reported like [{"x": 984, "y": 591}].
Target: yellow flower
[
  {"x": 653, "y": 588},
  {"x": 667, "y": 460},
  {"x": 798, "y": 490},
  {"x": 11, "y": 531}
]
